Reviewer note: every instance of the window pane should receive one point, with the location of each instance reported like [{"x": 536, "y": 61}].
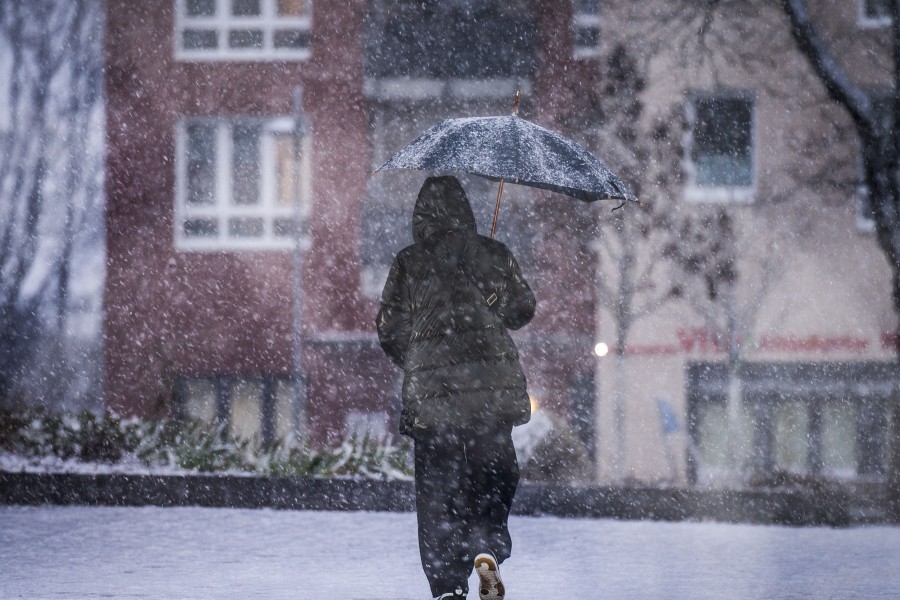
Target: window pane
[
  {"x": 199, "y": 39},
  {"x": 246, "y": 413},
  {"x": 839, "y": 439},
  {"x": 245, "y": 8},
  {"x": 284, "y": 410},
  {"x": 442, "y": 39},
  {"x": 877, "y": 9},
  {"x": 589, "y": 7},
  {"x": 285, "y": 167},
  {"x": 285, "y": 227},
  {"x": 722, "y": 170},
  {"x": 291, "y": 38},
  {"x": 201, "y": 164},
  {"x": 201, "y": 8},
  {"x": 245, "y": 38},
  {"x": 871, "y": 439},
  {"x": 245, "y": 227},
  {"x": 200, "y": 400},
  {"x": 791, "y": 436},
  {"x": 587, "y": 37},
  {"x": 201, "y": 228},
  {"x": 292, "y": 8},
  {"x": 722, "y": 142},
  {"x": 713, "y": 433},
  {"x": 385, "y": 210},
  {"x": 245, "y": 167},
  {"x": 361, "y": 424}
]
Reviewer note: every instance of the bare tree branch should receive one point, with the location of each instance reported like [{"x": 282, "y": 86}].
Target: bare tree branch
[
  {"x": 47, "y": 168},
  {"x": 838, "y": 85}
]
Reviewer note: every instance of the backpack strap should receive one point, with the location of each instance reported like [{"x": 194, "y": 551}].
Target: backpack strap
[{"x": 491, "y": 298}]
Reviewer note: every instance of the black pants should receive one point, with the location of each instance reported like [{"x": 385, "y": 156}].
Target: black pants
[{"x": 465, "y": 483}]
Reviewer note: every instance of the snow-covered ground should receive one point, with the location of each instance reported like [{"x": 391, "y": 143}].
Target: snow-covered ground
[{"x": 82, "y": 552}]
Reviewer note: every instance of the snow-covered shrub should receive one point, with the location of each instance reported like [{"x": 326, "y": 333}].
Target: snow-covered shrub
[
  {"x": 85, "y": 436},
  {"x": 190, "y": 445},
  {"x": 367, "y": 456}
]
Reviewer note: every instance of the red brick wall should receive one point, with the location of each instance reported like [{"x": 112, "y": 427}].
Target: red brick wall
[{"x": 171, "y": 312}]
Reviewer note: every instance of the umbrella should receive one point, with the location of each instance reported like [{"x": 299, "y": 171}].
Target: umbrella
[{"x": 509, "y": 148}]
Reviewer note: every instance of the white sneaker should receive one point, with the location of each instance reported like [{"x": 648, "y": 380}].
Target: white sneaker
[{"x": 491, "y": 587}]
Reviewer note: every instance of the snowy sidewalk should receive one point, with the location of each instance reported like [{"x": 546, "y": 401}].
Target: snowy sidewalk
[{"x": 159, "y": 553}]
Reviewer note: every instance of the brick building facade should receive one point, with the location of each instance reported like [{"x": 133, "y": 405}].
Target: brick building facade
[
  {"x": 209, "y": 170},
  {"x": 203, "y": 167}
]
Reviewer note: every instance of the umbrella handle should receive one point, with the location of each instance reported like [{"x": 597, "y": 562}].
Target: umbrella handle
[
  {"x": 515, "y": 111},
  {"x": 497, "y": 209}
]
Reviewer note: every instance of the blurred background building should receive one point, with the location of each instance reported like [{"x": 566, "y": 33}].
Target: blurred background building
[
  {"x": 738, "y": 324},
  {"x": 206, "y": 180}
]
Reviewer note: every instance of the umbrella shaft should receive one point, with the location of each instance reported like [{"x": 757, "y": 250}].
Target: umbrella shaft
[{"x": 497, "y": 209}]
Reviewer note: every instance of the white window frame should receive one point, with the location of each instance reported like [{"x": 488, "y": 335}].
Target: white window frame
[
  {"x": 718, "y": 194},
  {"x": 584, "y": 20},
  {"x": 222, "y": 22},
  {"x": 217, "y": 405},
  {"x": 222, "y": 208},
  {"x": 866, "y": 22}
]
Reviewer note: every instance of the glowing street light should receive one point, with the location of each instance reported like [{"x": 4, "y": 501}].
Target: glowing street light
[{"x": 601, "y": 349}]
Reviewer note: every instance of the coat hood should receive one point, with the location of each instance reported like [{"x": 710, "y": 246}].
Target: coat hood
[{"x": 442, "y": 206}]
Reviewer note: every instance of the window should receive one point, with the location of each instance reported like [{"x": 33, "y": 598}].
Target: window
[
  {"x": 586, "y": 28},
  {"x": 448, "y": 40},
  {"x": 791, "y": 436},
  {"x": 874, "y": 13},
  {"x": 390, "y": 196},
  {"x": 839, "y": 440},
  {"x": 711, "y": 436},
  {"x": 805, "y": 419},
  {"x": 242, "y": 29},
  {"x": 835, "y": 438},
  {"x": 362, "y": 424},
  {"x": 257, "y": 409},
  {"x": 235, "y": 184},
  {"x": 720, "y": 149}
]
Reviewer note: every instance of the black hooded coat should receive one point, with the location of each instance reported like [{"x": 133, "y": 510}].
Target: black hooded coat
[{"x": 446, "y": 307}]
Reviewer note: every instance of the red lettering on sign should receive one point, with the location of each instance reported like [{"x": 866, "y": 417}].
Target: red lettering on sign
[{"x": 702, "y": 340}]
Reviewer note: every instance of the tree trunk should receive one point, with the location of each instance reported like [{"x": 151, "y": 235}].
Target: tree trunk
[
  {"x": 735, "y": 399},
  {"x": 879, "y": 139},
  {"x": 619, "y": 414},
  {"x": 623, "y": 324}
]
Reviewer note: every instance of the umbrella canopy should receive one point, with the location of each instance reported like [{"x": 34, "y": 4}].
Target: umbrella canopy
[{"x": 512, "y": 149}]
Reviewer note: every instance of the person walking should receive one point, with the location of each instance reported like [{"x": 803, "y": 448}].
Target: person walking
[{"x": 446, "y": 307}]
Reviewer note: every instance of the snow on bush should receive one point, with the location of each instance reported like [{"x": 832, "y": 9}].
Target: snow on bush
[{"x": 86, "y": 442}]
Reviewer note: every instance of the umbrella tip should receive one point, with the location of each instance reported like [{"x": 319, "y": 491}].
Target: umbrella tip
[{"x": 516, "y": 104}]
